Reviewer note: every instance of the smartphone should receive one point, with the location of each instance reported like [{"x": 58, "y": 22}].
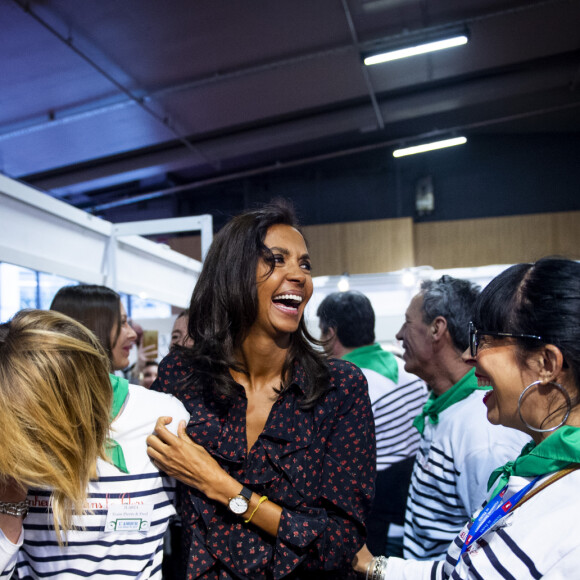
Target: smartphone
[{"x": 151, "y": 337}]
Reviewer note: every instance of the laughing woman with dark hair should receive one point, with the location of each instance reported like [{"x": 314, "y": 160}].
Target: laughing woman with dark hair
[
  {"x": 525, "y": 345},
  {"x": 278, "y": 457}
]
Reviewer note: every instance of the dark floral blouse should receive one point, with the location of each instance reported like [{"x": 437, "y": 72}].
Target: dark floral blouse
[{"x": 318, "y": 465}]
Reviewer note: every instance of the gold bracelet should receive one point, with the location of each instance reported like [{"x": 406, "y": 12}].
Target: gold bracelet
[{"x": 262, "y": 500}]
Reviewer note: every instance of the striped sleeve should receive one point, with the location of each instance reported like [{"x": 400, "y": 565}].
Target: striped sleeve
[
  {"x": 450, "y": 474},
  {"x": 394, "y": 412},
  {"x": 434, "y": 511},
  {"x": 121, "y": 530},
  {"x": 90, "y": 549}
]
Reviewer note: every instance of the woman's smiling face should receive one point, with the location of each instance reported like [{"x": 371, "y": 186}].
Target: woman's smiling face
[
  {"x": 121, "y": 347},
  {"x": 283, "y": 295},
  {"x": 498, "y": 365}
]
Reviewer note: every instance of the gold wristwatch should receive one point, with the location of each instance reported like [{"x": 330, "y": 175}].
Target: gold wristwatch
[{"x": 241, "y": 502}]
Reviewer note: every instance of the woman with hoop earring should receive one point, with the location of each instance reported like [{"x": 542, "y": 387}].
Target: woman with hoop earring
[{"x": 525, "y": 345}]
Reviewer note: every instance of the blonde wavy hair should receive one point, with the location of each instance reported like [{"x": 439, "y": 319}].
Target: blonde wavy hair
[{"x": 55, "y": 406}]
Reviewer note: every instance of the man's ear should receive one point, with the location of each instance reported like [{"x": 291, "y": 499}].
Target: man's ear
[
  {"x": 330, "y": 334},
  {"x": 551, "y": 362},
  {"x": 438, "y": 327},
  {"x": 332, "y": 344},
  {"x": 329, "y": 338}
]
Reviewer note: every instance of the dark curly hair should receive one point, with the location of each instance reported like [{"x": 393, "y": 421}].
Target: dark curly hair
[{"x": 224, "y": 306}]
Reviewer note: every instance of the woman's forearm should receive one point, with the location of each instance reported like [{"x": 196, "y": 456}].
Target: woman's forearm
[
  {"x": 262, "y": 513},
  {"x": 191, "y": 464}
]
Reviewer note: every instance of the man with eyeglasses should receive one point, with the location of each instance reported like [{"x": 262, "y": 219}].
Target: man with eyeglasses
[{"x": 459, "y": 448}]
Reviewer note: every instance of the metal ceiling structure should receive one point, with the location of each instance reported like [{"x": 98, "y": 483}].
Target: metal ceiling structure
[{"x": 105, "y": 102}]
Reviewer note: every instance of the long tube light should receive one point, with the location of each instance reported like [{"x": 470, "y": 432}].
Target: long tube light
[
  {"x": 417, "y": 49},
  {"x": 429, "y": 146}
]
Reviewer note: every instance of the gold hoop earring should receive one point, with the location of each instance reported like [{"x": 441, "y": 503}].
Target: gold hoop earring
[{"x": 568, "y": 405}]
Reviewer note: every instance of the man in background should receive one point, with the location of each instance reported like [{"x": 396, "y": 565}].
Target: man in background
[
  {"x": 347, "y": 324},
  {"x": 459, "y": 447},
  {"x": 149, "y": 373}
]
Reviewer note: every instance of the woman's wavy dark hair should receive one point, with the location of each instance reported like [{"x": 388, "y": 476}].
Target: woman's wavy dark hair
[
  {"x": 97, "y": 307},
  {"x": 541, "y": 299},
  {"x": 224, "y": 306}
]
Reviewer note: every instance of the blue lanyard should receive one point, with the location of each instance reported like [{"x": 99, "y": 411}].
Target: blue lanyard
[{"x": 493, "y": 511}]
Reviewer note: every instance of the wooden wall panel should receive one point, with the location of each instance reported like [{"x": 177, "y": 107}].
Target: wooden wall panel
[
  {"x": 501, "y": 240},
  {"x": 367, "y": 247},
  {"x": 188, "y": 245},
  {"x": 362, "y": 247}
]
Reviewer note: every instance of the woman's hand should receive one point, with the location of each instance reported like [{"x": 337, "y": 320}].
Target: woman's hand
[
  {"x": 190, "y": 463},
  {"x": 145, "y": 354},
  {"x": 362, "y": 560}
]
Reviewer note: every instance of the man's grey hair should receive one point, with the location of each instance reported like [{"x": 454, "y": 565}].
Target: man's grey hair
[{"x": 452, "y": 298}]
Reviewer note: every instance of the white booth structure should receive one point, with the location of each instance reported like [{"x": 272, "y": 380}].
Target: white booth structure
[
  {"x": 390, "y": 293},
  {"x": 48, "y": 235}
]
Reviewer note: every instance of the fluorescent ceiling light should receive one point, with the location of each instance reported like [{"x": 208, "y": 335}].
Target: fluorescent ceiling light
[
  {"x": 430, "y": 146},
  {"x": 414, "y": 50}
]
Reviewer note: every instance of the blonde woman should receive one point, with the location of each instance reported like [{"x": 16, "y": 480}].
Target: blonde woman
[
  {"x": 55, "y": 401},
  {"x": 130, "y": 504}
]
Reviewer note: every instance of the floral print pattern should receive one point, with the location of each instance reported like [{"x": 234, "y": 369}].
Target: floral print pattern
[{"x": 318, "y": 465}]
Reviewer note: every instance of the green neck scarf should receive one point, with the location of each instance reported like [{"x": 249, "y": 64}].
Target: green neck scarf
[
  {"x": 377, "y": 359},
  {"x": 555, "y": 452},
  {"x": 113, "y": 449},
  {"x": 435, "y": 405}
]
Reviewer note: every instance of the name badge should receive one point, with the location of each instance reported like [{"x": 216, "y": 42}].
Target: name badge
[{"x": 129, "y": 517}]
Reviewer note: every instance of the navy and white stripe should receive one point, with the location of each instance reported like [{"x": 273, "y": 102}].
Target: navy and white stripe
[
  {"x": 540, "y": 539},
  {"x": 90, "y": 551},
  {"x": 394, "y": 408},
  {"x": 449, "y": 480}
]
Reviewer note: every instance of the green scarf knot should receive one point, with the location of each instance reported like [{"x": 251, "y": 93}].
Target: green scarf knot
[
  {"x": 374, "y": 357},
  {"x": 113, "y": 449},
  {"x": 555, "y": 452},
  {"x": 436, "y": 405}
]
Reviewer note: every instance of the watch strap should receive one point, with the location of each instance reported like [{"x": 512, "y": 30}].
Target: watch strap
[{"x": 246, "y": 493}]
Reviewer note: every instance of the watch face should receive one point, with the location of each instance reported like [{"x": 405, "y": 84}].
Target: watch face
[{"x": 238, "y": 504}]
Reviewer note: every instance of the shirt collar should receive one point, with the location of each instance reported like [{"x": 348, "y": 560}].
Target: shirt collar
[{"x": 298, "y": 378}]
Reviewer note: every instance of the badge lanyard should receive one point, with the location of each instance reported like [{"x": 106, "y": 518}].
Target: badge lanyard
[{"x": 494, "y": 510}]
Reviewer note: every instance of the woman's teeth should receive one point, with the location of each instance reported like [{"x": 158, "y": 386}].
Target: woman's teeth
[
  {"x": 291, "y": 301},
  {"x": 292, "y": 297}
]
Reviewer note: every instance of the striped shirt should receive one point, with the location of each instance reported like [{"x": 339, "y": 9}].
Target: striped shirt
[
  {"x": 394, "y": 408},
  {"x": 449, "y": 481},
  {"x": 540, "y": 539},
  {"x": 121, "y": 535}
]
